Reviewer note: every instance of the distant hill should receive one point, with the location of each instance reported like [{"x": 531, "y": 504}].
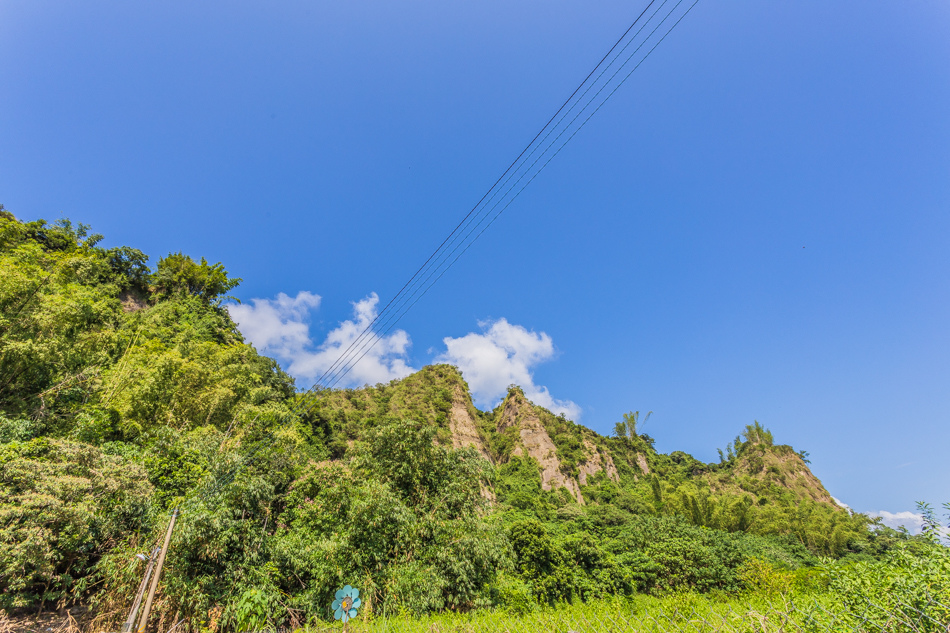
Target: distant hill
[{"x": 759, "y": 487}]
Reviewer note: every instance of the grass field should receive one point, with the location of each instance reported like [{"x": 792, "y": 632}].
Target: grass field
[
  {"x": 686, "y": 613},
  {"x": 683, "y": 612}
]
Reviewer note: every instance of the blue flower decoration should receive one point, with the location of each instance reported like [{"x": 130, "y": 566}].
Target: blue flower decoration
[{"x": 346, "y": 603}]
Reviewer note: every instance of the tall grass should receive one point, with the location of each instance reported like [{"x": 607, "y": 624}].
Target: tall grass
[{"x": 692, "y": 613}]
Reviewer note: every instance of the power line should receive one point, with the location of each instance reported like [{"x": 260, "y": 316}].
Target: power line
[
  {"x": 442, "y": 259},
  {"x": 439, "y": 262},
  {"x": 460, "y": 239},
  {"x": 466, "y": 220}
]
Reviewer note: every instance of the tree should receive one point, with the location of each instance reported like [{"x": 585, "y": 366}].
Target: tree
[
  {"x": 180, "y": 275},
  {"x": 403, "y": 519},
  {"x": 755, "y": 433},
  {"x": 129, "y": 267},
  {"x": 62, "y": 505},
  {"x": 627, "y": 429}
]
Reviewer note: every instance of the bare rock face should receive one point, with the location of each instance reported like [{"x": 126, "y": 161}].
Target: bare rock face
[
  {"x": 642, "y": 463},
  {"x": 536, "y": 443},
  {"x": 462, "y": 424},
  {"x": 596, "y": 462},
  {"x": 132, "y": 301}
]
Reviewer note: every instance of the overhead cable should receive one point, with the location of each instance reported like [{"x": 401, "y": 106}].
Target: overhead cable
[
  {"x": 626, "y": 55},
  {"x": 530, "y": 162}
]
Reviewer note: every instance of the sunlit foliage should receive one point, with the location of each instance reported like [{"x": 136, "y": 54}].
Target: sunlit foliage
[{"x": 126, "y": 392}]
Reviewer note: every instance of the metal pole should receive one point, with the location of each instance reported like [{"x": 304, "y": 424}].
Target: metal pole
[
  {"x": 158, "y": 572},
  {"x": 129, "y": 623}
]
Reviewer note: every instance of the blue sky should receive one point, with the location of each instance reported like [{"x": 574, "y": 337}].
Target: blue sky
[{"x": 754, "y": 227}]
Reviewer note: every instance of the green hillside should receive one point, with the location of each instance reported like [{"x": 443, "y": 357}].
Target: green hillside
[{"x": 126, "y": 391}]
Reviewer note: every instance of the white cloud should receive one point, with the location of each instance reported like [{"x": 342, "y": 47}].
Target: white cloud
[
  {"x": 910, "y": 520},
  {"x": 281, "y": 327},
  {"x": 913, "y": 521},
  {"x": 843, "y": 504},
  {"x": 501, "y": 355}
]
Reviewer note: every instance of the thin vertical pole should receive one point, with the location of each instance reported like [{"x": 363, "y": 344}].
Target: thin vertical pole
[
  {"x": 158, "y": 572},
  {"x": 130, "y": 622}
]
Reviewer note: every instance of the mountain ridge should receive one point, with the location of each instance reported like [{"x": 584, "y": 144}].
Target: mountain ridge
[{"x": 518, "y": 428}]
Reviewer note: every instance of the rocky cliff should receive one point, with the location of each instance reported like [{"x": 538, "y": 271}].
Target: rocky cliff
[{"x": 568, "y": 456}]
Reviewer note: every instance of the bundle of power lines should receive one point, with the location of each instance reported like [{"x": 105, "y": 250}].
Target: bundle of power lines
[
  {"x": 648, "y": 30},
  {"x": 646, "y": 33}
]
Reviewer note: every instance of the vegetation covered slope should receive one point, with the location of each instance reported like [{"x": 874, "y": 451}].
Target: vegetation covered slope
[{"x": 126, "y": 391}]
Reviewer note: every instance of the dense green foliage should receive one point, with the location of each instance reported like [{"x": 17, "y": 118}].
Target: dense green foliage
[
  {"x": 126, "y": 392},
  {"x": 62, "y": 505}
]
